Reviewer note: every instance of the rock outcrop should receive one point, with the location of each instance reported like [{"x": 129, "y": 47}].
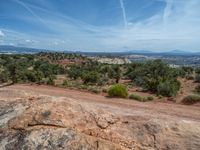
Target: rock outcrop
[{"x": 57, "y": 123}]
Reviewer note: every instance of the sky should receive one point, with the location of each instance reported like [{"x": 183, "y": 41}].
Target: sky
[{"x": 101, "y": 25}]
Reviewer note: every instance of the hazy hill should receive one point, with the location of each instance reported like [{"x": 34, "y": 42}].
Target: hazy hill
[{"x": 15, "y": 50}]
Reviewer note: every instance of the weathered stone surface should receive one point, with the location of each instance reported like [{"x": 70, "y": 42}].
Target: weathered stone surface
[{"x": 57, "y": 123}]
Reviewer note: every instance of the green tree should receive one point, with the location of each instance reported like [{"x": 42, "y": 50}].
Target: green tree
[
  {"x": 74, "y": 72},
  {"x": 168, "y": 88},
  {"x": 13, "y": 69},
  {"x": 115, "y": 72},
  {"x": 4, "y": 77},
  {"x": 90, "y": 77},
  {"x": 50, "y": 80},
  {"x": 156, "y": 77}
]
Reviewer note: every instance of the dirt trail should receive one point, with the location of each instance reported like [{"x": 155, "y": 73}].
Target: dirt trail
[
  {"x": 156, "y": 109},
  {"x": 187, "y": 88}
]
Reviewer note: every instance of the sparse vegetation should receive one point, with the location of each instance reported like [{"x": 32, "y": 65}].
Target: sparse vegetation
[
  {"x": 135, "y": 97},
  {"x": 104, "y": 90},
  {"x": 197, "y": 88},
  {"x": 140, "y": 98},
  {"x": 197, "y": 78},
  {"x": 28, "y": 68},
  {"x": 156, "y": 77},
  {"x": 168, "y": 88},
  {"x": 94, "y": 90},
  {"x": 91, "y": 77},
  {"x": 83, "y": 73},
  {"x": 191, "y": 99},
  {"x": 150, "y": 98}
]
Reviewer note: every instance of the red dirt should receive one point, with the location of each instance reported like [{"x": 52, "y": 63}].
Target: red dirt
[{"x": 122, "y": 106}]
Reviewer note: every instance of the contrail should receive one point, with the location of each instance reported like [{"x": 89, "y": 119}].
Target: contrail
[
  {"x": 167, "y": 10},
  {"x": 123, "y": 13},
  {"x": 30, "y": 10}
]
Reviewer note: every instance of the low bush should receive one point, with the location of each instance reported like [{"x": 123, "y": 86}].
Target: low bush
[
  {"x": 84, "y": 87},
  {"x": 50, "y": 80},
  {"x": 168, "y": 88},
  {"x": 141, "y": 99},
  {"x": 136, "y": 97},
  {"x": 197, "y": 88},
  {"x": 3, "y": 77},
  {"x": 160, "y": 97},
  {"x": 150, "y": 98},
  {"x": 191, "y": 99},
  {"x": 94, "y": 90},
  {"x": 155, "y": 76},
  {"x": 92, "y": 77},
  {"x": 190, "y": 77},
  {"x": 105, "y": 90},
  {"x": 118, "y": 90},
  {"x": 65, "y": 83},
  {"x": 197, "y": 78}
]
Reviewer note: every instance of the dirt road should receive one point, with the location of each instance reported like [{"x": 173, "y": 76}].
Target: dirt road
[{"x": 153, "y": 109}]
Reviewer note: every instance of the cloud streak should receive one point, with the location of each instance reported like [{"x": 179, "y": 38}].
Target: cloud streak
[
  {"x": 175, "y": 26},
  {"x": 123, "y": 13},
  {"x": 2, "y": 34},
  {"x": 167, "y": 10},
  {"x": 30, "y": 11}
]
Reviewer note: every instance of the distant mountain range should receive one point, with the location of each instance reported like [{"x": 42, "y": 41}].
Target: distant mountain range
[
  {"x": 172, "y": 52},
  {"x": 178, "y": 52},
  {"x": 7, "y": 49}
]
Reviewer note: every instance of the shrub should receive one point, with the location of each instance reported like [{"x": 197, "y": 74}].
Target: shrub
[
  {"x": 191, "y": 99},
  {"x": 118, "y": 90},
  {"x": 136, "y": 97},
  {"x": 157, "y": 77},
  {"x": 197, "y": 70},
  {"x": 105, "y": 90},
  {"x": 190, "y": 77},
  {"x": 83, "y": 87},
  {"x": 197, "y": 78},
  {"x": 91, "y": 77},
  {"x": 94, "y": 90},
  {"x": 74, "y": 72},
  {"x": 50, "y": 80},
  {"x": 3, "y": 77},
  {"x": 168, "y": 88},
  {"x": 144, "y": 99},
  {"x": 197, "y": 88},
  {"x": 65, "y": 83},
  {"x": 103, "y": 81},
  {"x": 188, "y": 70},
  {"x": 150, "y": 98}
]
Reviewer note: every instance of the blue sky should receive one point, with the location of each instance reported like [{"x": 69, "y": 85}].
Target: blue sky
[{"x": 101, "y": 25}]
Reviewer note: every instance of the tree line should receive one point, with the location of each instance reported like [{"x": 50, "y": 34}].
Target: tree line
[{"x": 154, "y": 76}]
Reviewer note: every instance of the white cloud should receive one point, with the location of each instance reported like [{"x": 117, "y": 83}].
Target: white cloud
[
  {"x": 177, "y": 26},
  {"x": 28, "y": 41},
  {"x": 123, "y": 12},
  {"x": 55, "y": 43},
  {"x": 2, "y": 34}
]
